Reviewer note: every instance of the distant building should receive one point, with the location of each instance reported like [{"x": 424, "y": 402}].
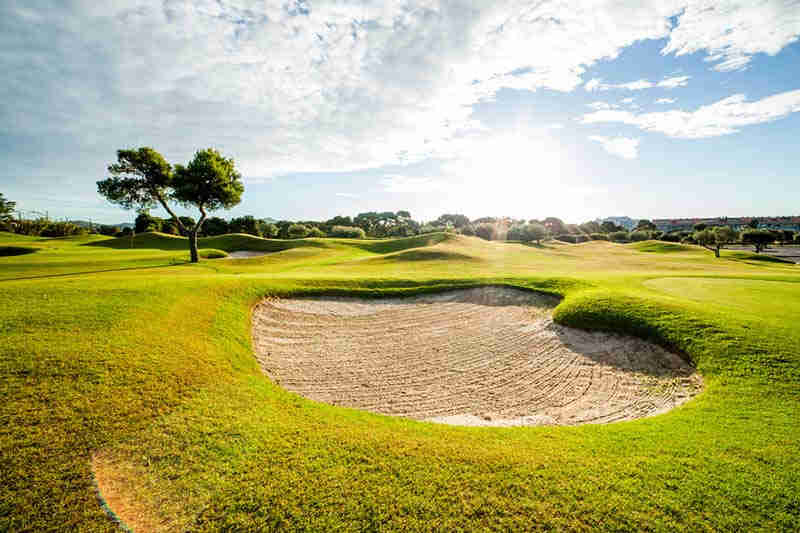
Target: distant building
[{"x": 736, "y": 223}]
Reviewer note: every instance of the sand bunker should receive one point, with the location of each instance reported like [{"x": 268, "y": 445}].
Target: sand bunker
[
  {"x": 487, "y": 356},
  {"x": 244, "y": 254}
]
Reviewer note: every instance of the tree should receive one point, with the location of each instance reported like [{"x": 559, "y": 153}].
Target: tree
[
  {"x": 140, "y": 179},
  {"x": 787, "y": 236},
  {"x": 610, "y": 227},
  {"x": 208, "y": 182},
  {"x": 639, "y": 235},
  {"x": 297, "y": 231},
  {"x": 715, "y": 239},
  {"x": 758, "y": 238},
  {"x": 146, "y": 222},
  {"x": 700, "y": 226},
  {"x": 455, "y": 220},
  {"x": 316, "y": 232},
  {"x": 186, "y": 222},
  {"x": 533, "y": 232},
  {"x": 486, "y": 231},
  {"x": 590, "y": 227},
  {"x": 646, "y": 225},
  {"x": 347, "y": 232},
  {"x": 170, "y": 228},
  {"x": 246, "y": 224},
  {"x": 6, "y": 209},
  {"x": 555, "y": 226},
  {"x": 269, "y": 230},
  {"x": 216, "y": 226},
  {"x": 753, "y": 223}
]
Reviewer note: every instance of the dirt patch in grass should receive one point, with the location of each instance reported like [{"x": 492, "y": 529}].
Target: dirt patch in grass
[
  {"x": 113, "y": 486},
  {"x": 484, "y": 356}
]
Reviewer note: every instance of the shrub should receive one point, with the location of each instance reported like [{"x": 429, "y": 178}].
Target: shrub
[
  {"x": 670, "y": 237},
  {"x": 573, "y": 239},
  {"x": 170, "y": 228},
  {"x": 215, "y": 226},
  {"x": 758, "y": 238},
  {"x": 470, "y": 231},
  {"x": 61, "y": 229},
  {"x": 246, "y": 224},
  {"x": 486, "y": 231},
  {"x": 298, "y": 231},
  {"x": 213, "y": 254},
  {"x": 637, "y": 236},
  {"x": 527, "y": 232},
  {"x": 315, "y": 232},
  {"x": 109, "y": 231},
  {"x": 347, "y": 232},
  {"x": 618, "y": 236},
  {"x": 598, "y": 237},
  {"x": 145, "y": 222},
  {"x": 432, "y": 228},
  {"x": 269, "y": 230}
]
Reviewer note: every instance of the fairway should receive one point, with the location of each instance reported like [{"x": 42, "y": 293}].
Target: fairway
[{"x": 143, "y": 389}]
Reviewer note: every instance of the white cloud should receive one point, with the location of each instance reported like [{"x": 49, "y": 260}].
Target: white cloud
[
  {"x": 665, "y": 101},
  {"x": 720, "y": 118},
  {"x": 675, "y": 81},
  {"x": 346, "y": 195},
  {"x": 330, "y": 85},
  {"x": 596, "y": 84},
  {"x": 732, "y": 31},
  {"x": 624, "y": 147},
  {"x": 337, "y": 85},
  {"x": 627, "y": 100},
  {"x": 601, "y": 105}
]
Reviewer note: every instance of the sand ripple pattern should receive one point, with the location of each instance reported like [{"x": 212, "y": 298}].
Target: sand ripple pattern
[{"x": 485, "y": 356}]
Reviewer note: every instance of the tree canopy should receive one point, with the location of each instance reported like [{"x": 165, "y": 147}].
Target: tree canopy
[
  {"x": 6, "y": 209},
  {"x": 141, "y": 179}
]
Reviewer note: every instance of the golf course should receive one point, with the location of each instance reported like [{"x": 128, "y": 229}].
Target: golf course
[{"x": 142, "y": 392}]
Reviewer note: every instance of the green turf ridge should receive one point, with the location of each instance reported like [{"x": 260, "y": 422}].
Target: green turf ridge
[{"x": 154, "y": 367}]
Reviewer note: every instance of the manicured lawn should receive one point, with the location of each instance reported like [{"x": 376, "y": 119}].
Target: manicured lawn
[{"x": 143, "y": 362}]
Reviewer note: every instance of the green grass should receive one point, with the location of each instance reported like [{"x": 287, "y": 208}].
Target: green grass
[
  {"x": 139, "y": 356},
  {"x": 660, "y": 247}
]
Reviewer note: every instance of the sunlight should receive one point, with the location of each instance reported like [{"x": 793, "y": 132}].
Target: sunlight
[{"x": 513, "y": 174}]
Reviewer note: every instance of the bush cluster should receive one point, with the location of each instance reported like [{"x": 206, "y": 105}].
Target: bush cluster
[
  {"x": 47, "y": 228},
  {"x": 347, "y": 232}
]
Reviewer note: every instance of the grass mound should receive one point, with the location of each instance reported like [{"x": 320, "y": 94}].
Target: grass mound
[
  {"x": 388, "y": 246},
  {"x": 212, "y": 254},
  {"x": 231, "y": 242},
  {"x": 428, "y": 255},
  {"x": 660, "y": 247}
]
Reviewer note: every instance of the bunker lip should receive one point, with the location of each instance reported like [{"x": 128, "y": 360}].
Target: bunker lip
[{"x": 487, "y": 356}]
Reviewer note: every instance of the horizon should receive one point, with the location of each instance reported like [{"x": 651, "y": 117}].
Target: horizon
[{"x": 659, "y": 112}]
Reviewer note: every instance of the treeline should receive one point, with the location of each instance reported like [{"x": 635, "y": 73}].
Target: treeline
[{"x": 370, "y": 224}]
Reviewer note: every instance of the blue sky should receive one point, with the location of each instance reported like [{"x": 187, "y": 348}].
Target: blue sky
[{"x": 505, "y": 107}]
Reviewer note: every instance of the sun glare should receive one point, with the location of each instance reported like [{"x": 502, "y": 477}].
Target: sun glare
[{"x": 509, "y": 174}]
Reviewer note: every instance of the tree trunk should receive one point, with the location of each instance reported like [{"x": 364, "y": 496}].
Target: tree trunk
[
  {"x": 193, "y": 245},
  {"x": 716, "y": 251}
]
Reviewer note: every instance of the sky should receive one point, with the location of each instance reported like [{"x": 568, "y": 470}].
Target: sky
[{"x": 577, "y": 109}]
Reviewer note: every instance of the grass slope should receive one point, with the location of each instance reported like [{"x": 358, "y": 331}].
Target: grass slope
[{"x": 147, "y": 367}]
